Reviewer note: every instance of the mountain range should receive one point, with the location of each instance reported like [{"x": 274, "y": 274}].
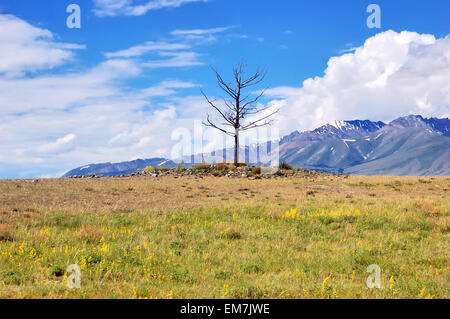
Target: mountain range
[
  {"x": 116, "y": 169},
  {"x": 410, "y": 145}
]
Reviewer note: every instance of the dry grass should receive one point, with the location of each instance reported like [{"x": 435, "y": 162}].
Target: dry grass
[
  {"x": 138, "y": 194},
  {"x": 309, "y": 237},
  {"x": 6, "y": 234}
]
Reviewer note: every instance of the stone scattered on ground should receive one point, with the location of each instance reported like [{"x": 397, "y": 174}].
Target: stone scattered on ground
[{"x": 221, "y": 170}]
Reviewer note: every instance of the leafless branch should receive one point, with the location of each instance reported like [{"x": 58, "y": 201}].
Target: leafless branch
[
  {"x": 250, "y": 103},
  {"x": 225, "y": 117},
  {"x": 251, "y": 125},
  {"x": 210, "y": 124}
]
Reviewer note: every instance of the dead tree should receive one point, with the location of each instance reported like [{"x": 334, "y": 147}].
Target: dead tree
[{"x": 238, "y": 106}]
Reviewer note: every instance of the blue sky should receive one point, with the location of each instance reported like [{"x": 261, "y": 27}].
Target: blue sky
[
  {"x": 298, "y": 36},
  {"x": 134, "y": 75}
]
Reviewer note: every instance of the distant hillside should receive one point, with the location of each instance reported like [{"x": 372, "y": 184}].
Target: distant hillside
[
  {"x": 410, "y": 145},
  {"x": 116, "y": 169}
]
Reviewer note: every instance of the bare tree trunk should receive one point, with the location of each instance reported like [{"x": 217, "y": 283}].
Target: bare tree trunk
[{"x": 236, "y": 148}]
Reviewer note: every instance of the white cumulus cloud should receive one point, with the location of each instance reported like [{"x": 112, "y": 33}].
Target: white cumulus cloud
[
  {"x": 24, "y": 47},
  {"x": 391, "y": 75},
  {"x": 61, "y": 144}
]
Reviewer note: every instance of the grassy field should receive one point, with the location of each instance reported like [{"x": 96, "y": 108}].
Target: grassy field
[{"x": 143, "y": 237}]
